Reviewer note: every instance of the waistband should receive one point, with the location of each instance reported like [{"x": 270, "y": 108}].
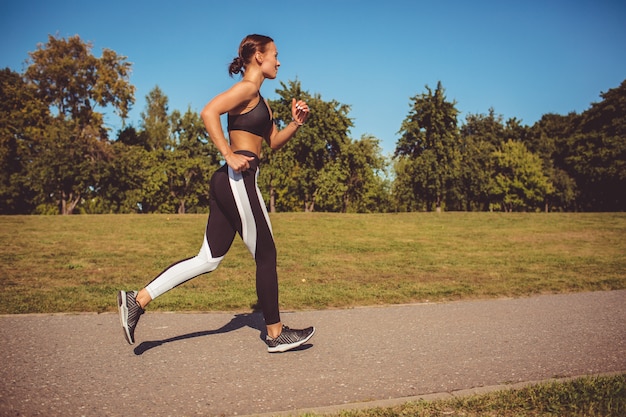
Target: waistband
[
  {"x": 248, "y": 153},
  {"x": 254, "y": 164}
]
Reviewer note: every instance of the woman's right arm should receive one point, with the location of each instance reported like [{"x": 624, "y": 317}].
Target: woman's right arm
[{"x": 238, "y": 94}]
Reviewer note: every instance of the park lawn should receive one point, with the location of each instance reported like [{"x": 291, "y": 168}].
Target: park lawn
[
  {"x": 77, "y": 263},
  {"x": 591, "y": 396}
]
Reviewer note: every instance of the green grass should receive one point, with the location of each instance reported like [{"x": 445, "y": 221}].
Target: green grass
[
  {"x": 583, "y": 397},
  {"x": 77, "y": 263}
]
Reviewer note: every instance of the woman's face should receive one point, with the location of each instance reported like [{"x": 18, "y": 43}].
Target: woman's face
[{"x": 270, "y": 62}]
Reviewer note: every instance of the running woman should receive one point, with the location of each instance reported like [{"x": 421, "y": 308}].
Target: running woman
[{"x": 236, "y": 204}]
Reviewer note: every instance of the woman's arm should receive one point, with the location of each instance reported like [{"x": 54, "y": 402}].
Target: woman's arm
[{"x": 299, "y": 113}]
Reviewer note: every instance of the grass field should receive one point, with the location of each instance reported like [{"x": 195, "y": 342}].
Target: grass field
[
  {"x": 77, "y": 263},
  {"x": 603, "y": 396}
]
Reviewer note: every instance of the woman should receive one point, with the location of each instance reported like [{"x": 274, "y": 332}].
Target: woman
[{"x": 236, "y": 205}]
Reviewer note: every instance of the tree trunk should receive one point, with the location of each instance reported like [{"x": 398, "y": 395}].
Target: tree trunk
[
  {"x": 68, "y": 203},
  {"x": 308, "y": 204},
  {"x": 272, "y": 199}
]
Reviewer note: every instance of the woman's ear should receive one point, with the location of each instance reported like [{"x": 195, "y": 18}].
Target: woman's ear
[{"x": 259, "y": 57}]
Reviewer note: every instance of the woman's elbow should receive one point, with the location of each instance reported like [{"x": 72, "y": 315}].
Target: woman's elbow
[
  {"x": 205, "y": 114},
  {"x": 274, "y": 145},
  {"x": 209, "y": 113}
]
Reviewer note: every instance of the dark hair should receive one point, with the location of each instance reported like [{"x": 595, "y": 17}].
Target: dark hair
[{"x": 250, "y": 45}]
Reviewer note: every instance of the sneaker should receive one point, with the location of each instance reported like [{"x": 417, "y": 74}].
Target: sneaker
[
  {"x": 130, "y": 311},
  {"x": 289, "y": 339}
]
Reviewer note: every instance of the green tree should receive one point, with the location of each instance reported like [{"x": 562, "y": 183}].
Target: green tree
[
  {"x": 480, "y": 136},
  {"x": 191, "y": 162},
  {"x": 166, "y": 166},
  {"x": 519, "y": 183},
  {"x": 332, "y": 186},
  {"x": 352, "y": 183},
  {"x": 134, "y": 180},
  {"x": 316, "y": 146},
  {"x": 404, "y": 186},
  {"x": 67, "y": 168},
  {"x": 597, "y": 153},
  {"x": 365, "y": 186},
  {"x": 23, "y": 118},
  {"x": 155, "y": 121},
  {"x": 486, "y": 127},
  {"x": 429, "y": 140},
  {"x": 549, "y": 139},
  {"x": 152, "y": 194},
  {"x": 73, "y": 83}
]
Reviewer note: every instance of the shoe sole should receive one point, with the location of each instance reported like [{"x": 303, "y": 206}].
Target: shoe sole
[
  {"x": 123, "y": 308},
  {"x": 289, "y": 346}
]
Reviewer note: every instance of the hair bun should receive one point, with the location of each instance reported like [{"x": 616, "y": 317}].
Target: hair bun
[{"x": 236, "y": 66}]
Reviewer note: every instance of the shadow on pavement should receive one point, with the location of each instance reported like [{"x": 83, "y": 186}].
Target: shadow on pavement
[{"x": 253, "y": 320}]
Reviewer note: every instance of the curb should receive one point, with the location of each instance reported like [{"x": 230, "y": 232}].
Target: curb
[{"x": 394, "y": 402}]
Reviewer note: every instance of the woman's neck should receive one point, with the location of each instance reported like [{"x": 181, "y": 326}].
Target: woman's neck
[{"x": 255, "y": 76}]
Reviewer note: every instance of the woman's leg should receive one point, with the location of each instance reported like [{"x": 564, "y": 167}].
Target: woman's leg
[
  {"x": 258, "y": 237},
  {"x": 219, "y": 235},
  {"x": 256, "y": 231},
  {"x": 218, "y": 238}
]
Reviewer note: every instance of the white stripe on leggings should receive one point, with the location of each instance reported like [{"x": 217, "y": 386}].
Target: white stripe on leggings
[
  {"x": 263, "y": 207},
  {"x": 248, "y": 226}
]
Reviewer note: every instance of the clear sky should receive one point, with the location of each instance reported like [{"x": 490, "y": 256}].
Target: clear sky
[{"x": 521, "y": 58}]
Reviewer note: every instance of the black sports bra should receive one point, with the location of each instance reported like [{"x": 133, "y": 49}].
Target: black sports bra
[{"x": 256, "y": 121}]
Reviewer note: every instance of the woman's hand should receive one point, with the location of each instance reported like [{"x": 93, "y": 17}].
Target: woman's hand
[
  {"x": 299, "y": 111},
  {"x": 238, "y": 162}
]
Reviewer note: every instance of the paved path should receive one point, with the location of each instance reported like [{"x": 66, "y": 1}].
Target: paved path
[{"x": 216, "y": 364}]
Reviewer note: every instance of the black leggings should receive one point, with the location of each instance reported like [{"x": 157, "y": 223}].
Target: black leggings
[{"x": 236, "y": 206}]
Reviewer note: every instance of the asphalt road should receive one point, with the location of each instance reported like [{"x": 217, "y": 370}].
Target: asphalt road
[{"x": 208, "y": 364}]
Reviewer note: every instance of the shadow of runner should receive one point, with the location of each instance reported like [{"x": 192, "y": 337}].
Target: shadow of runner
[{"x": 253, "y": 320}]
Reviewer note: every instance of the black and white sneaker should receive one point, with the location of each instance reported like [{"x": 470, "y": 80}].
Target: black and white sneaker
[
  {"x": 130, "y": 311},
  {"x": 289, "y": 339}
]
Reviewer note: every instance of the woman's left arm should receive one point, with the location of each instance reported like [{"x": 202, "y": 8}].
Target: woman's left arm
[{"x": 299, "y": 113}]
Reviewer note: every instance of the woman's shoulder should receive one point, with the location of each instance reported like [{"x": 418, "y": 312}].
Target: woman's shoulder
[{"x": 246, "y": 89}]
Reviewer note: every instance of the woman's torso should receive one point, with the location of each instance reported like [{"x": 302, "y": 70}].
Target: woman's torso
[{"x": 247, "y": 129}]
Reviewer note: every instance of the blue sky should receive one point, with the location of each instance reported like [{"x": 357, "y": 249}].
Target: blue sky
[{"x": 521, "y": 58}]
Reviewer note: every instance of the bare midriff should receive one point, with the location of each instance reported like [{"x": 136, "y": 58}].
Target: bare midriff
[{"x": 240, "y": 140}]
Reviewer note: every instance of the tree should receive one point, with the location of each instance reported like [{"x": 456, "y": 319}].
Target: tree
[
  {"x": 429, "y": 140},
  {"x": 548, "y": 138},
  {"x": 73, "y": 83},
  {"x": 585, "y": 155},
  {"x": 166, "y": 166},
  {"x": 519, "y": 182},
  {"x": 364, "y": 183},
  {"x": 191, "y": 163},
  {"x": 316, "y": 146},
  {"x": 331, "y": 183},
  {"x": 155, "y": 144},
  {"x": 155, "y": 121},
  {"x": 480, "y": 136},
  {"x": 404, "y": 186},
  {"x": 352, "y": 183},
  {"x": 22, "y": 119},
  {"x": 597, "y": 153},
  {"x": 67, "y": 168},
  {"x": 134, "y": 180}
]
